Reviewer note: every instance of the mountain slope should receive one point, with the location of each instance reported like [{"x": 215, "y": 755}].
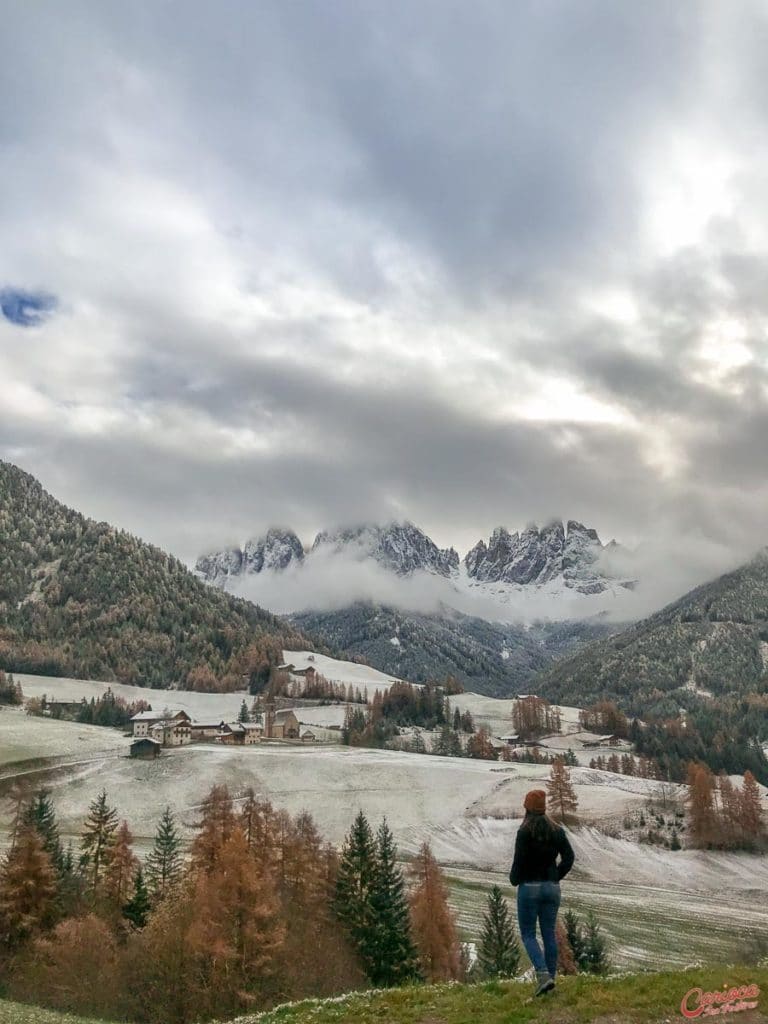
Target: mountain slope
[
  {"x": 81, "y": 598},
  {"x": 712, "y": 641},
  {"x": 487, "y": 657}
]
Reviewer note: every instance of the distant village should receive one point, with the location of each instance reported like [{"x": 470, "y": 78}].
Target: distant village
[{"x": 154, "y": 730}]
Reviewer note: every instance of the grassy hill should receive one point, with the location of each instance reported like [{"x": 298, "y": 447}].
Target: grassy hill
[
  {"x": 81, "y": 598},
  {"x": 638, "y": 998}
]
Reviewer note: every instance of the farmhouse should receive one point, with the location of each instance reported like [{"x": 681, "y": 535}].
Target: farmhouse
[
  {"x": 145, "y": 748},
  {"x": 172, "y": 732},
  {"x": 240, "y": 733},
  {"x": 144, "y": 720},
  {"x": 206, "y": 730},
  {"x": 610, "y": 740}
]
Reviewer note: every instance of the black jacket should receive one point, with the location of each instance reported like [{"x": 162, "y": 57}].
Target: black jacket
[{"x": 536, "y": 861}]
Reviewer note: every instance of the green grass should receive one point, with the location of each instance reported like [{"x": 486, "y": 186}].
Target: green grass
[
  {"x": 647, "y": 929},
  {"x": 642, "y": 998},
  {"x": 649, "y": 998},
  {"x": 17, "y": 1013}
]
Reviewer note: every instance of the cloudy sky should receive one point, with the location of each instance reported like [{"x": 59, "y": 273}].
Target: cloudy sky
[{"x": 311, "y": 263}]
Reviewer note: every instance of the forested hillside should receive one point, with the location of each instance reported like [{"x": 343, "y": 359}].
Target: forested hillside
[
  {"x": 493, "y": 658},
  {"x": 82, "y": 598},
  {"x": 695, "y": 670}
]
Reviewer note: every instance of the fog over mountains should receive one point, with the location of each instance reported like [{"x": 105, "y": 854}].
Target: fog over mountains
[{"x": 558, "y": 571}]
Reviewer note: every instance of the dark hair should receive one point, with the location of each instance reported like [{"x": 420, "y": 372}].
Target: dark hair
[{"x": 540, "y": 826}]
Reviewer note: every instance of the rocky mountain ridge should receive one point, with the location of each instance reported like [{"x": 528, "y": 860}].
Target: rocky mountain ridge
[{"x": 571, "y": 554}]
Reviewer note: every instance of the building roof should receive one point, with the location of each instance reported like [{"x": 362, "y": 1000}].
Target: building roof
[
  {"x": 283, "y": 713},
  {"x": 167, "y": 723},
  {"x": 146, "y": 739},
  {"x": 156, "y": 716},
  {"x": 212, "y": 724}
]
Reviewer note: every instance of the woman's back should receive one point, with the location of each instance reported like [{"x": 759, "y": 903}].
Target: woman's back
[{"x": 539, "y": 843}]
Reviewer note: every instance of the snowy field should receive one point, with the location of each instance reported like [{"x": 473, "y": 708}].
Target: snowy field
[
  {"x": 658, "y": 907},
  {"x": 23, "y": 738},
  {"x": 341, "y": 671},
  {"x": 199, "y": 706}
]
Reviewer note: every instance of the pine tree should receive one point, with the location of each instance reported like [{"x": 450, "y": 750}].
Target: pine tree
[
  {"x": 215, "y": 828},
  {"x": 98, "y": 839},
  {"x": 498, "y": 952},
  {"x": 434, "y": 927},
  {"x": 354, "y": 888},
  {"x": 703, "y": 827},
  {"x": 595, "y": 947},
  {"x": 392, "y": 954},
  {"x": 121, "y": 870},
  {"x": 751, "y": 816},
  {"x": 164, "y": 863},
  {"x": 562, "y": 796},
  {"x": 243, "y": 715},
  {"x": 27, "y": 890},
  {"x": 40, "y": 815},
  {"x": 137, "y": 909},
  {"x": 237, "y": 934},
  {"x": 575, "y": 936}
]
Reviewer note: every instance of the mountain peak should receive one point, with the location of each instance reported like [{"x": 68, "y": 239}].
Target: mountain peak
[{"x": 540, "y": 555}]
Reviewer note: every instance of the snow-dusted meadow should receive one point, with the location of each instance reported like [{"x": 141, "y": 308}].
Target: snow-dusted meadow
[{"x": 658, "y": 907}]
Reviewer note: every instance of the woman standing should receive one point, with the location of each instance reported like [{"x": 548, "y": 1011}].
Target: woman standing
[{"x": 537, "y": 873}]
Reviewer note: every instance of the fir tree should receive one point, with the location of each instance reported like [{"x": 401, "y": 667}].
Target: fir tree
[
  {"x": 575, "y": 936},
  {"x": 164, "y": 862},
  {"x": 98, "y": 838},
  {"x": 562, "y": 797},
  {"x": 355, "y": 882},
  {"x": 498, "y": 952},
  {"x": 243, "y": 715},
  {"x": 595, "y": 947},
  {"x": 392, "y": 954},
  {"x": 27, "y": 890},
  {"x": 137, "y": 909},
  {"x": 39, "y": 815}
]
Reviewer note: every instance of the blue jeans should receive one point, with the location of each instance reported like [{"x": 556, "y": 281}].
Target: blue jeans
[{"x": 539, "y": 901}]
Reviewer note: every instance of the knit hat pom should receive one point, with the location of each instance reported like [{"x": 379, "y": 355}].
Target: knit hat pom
[{"x": 536, "y": 801}]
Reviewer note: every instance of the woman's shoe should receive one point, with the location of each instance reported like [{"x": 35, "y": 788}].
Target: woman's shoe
[{"x": 545, "y": 982}]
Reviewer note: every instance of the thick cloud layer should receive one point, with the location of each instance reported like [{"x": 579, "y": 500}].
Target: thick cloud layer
[{"x": 317, "y": 263}]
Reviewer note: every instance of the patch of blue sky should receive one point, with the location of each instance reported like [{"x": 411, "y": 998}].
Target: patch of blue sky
[{"x": 25, "y": 308}]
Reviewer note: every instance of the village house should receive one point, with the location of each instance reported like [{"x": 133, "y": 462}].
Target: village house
[
  {"x": 144, "y": 720},
  {"x": 172, "y": 732},
  {"x": 610, "y": 740},
  {"x": 240, "y": 733},
  {"x": 145, "y": 748},
  {"x": 206, "y": 730}
]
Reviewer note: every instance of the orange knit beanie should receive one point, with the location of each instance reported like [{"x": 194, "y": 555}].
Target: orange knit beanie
[{"x": 536, "y": 801}]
